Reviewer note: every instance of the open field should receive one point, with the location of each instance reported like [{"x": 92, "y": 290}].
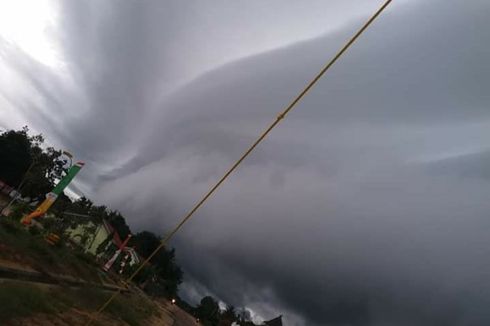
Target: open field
[{"x": 42, "y": 303}]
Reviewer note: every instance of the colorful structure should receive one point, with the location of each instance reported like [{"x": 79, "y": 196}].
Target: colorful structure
[
  {"x": 93, "y": 239},
  {"x": 111, "y": 261},
  {"x": 53, "y": 195},
  {"x": 89, "y": 235},
  {"x": 92, "y": 236}
]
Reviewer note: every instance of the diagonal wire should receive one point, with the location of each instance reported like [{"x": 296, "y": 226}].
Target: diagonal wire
[{"x": 279, "y": 117}]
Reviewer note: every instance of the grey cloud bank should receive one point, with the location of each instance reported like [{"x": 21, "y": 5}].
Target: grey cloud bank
[{"x": 367, "y": 206}]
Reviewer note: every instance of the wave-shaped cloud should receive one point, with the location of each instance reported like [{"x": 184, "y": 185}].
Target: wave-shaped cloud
[{"x": 347, "y": 214}]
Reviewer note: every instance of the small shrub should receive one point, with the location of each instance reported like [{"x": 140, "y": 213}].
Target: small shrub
[
  {"x": 34, "y": 230},
  {"x": 19, "y": 210}
]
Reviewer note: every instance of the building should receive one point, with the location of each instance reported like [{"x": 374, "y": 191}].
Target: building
[
  {"x": 274, "y": 322},
  {"x": 91, "y": 236}
]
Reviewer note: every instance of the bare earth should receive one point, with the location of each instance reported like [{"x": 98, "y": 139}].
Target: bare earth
[{"x": 170, "y": 315}]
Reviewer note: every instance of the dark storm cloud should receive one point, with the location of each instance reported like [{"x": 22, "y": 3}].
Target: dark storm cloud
[
  {"x": 123, "y": 57},
  {"x": 338, "y": 218},
  {"x": 474, "y": 165},
  {"x": 119, "y": 52},
  {"x": 368, "y": 205}
]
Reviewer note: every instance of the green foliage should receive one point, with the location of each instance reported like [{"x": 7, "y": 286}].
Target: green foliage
[
  {"x": 24, "y": 158},
  {"x": 22, "y": 300},
  {"x": 15, "y": 158},
  {"x": 47, "y": 168},
  {"x": 229, "y": 314},
  {"x": 164, "y": 272},
  {"x": 145, "y": 243},
  {"x": 19, "y": 210},
  {"x": 118, "y": 223},
  {"x": 208, "y": 311},
  {"x": 62, "y": 204}
]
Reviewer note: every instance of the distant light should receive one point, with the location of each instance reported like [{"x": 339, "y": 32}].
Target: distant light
[{"x": 173, "y": 301}]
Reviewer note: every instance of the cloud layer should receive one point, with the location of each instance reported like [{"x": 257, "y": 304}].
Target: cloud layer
[{"x": 366, "y": 206}]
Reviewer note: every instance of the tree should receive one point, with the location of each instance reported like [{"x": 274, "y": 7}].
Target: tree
[
  {"x": 244, "y": 317},
  {"x": 118, "y": 223},
  {"x": 22, "y": 157},
  {"x": 62, "y": 204},
  {"x": 48, "y": 167},
  {"x": 145, "y": 243},
  {"x": 15, "y": 156},
  {"x": 82, "y": 205},
  {"x": 208, "y": 311},
  {"x": 167, "y": 273},
  {"x": 229, "y": 314},
  {"x": 98, "y": 213}
]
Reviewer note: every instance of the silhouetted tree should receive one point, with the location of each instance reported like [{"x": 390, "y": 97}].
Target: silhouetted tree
[
  {"x": 208, "y": 311},
  {"x": 15, "y": 156},
  {"x": 118, "y": 223},
  {"x": 164, "y": 273},
  {"x": 22, "y": 156},
  {"x": 228, "y": 316}
]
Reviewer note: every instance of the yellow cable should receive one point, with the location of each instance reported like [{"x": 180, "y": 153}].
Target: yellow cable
[{"x": 247, "y": 152}]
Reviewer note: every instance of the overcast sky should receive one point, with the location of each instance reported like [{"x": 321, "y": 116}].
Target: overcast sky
[{"x": 368, "y": 205}]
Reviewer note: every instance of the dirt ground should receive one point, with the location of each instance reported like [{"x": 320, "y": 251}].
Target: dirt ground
[
  {"x": 13, "y": 256},
  {"x": 170, "y": 315}
]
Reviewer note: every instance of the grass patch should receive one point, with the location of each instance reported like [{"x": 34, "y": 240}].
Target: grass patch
[
  {"x": 9, "y": 226},
  {"x": 24, "y": 299},
  {"x": 38, "y": 253},
  {"x": 132, "y": 309},
  {"x": 21, "y": 300},
  {"x": 128, "y": 307}
]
